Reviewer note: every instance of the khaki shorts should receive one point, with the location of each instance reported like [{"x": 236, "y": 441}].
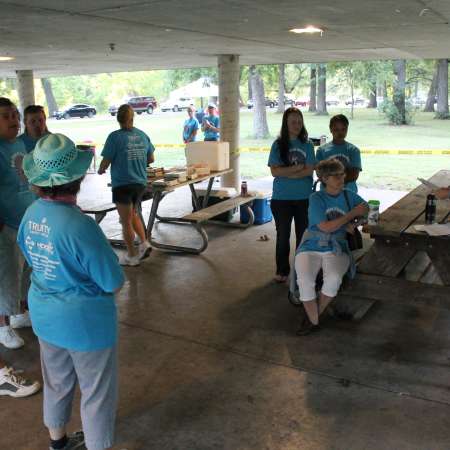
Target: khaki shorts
[{"x": 14, "y": 273}]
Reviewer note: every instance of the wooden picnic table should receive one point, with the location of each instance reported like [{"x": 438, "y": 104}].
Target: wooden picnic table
[{"x": 399, "y": 247}]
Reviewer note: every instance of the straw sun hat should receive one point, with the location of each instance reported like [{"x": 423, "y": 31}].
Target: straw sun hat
[{"x": 55, "y": 161}]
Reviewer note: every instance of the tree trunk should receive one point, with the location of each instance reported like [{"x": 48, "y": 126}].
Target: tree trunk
[
  {"x": 442, "y": 90},
  {"x": 322, "y": 90},
  {"x": 281, "y": 81},
  {"x": 50, "y": 98},
  {"x": 313, "y": 89},
  {"x": 249, "y": 83},
  {"x": 429, "y": 105},
  {"x": 399, "y": 90},
  {"x": 352, "y": 93},
  {"x": 260, "y": 127},
  {"x": 372, "y": 95},
  {"x": 384, "y": 90}
]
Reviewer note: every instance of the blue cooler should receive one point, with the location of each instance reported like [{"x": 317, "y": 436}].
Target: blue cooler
[{"x": 261, "y": 210}]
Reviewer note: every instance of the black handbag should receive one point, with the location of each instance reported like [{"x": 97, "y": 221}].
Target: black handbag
[{"x": 354, "y": 240}]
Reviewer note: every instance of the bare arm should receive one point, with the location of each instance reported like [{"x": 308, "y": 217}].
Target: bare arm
[
  {"x": 151, "y": 158},
  {"x": 103, "y": 166},
  {"x": 329, "y": 226}
]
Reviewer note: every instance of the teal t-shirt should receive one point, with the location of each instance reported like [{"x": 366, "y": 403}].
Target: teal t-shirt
[
  {"x": 348, "y": 154},
  {"x": 324, "y": 207},
  {"x": 210, "y": 135},
  {"x": 15, "y": 194},
  {"x": 190, "y": 125},
  {"x": 285, "y": 188},
  {"x": 128, "y": 151},
  {"x": 75, "y": 273},
  {"x": 29, "y": 142}
]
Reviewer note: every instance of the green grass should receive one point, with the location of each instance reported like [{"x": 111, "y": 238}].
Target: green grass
[{"x": 369, "y": 130}]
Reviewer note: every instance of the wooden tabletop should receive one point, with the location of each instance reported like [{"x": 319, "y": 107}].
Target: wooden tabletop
[
  {"x": 188, "y": 182},
  {"x": 396, "y": 219}
]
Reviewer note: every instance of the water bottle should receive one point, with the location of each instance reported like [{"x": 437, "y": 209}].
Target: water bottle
[
  {"x": 244, "y": 189},
  {"x": 430, "y": 209}
]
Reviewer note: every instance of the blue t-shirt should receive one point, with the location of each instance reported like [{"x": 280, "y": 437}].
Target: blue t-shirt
[
  {"x": 15, "y": 194},
  {"x": 210, "y": 135},
  {"x": 346, "y": 153},
  {"x": 29, "y": 142},
  {"x": 285, "y": 188},
  {"x": 190, "y": 125},
  {"x": 75, "y": 272},
  {"x": 324, "y": 207},
  {"x": 128, "y": 151}
]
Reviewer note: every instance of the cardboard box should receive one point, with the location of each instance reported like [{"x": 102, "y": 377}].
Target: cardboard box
[{"x": 214, "y": 153}]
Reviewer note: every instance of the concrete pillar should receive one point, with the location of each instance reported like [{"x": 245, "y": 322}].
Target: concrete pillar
[
  {"x": 229, "y": 114},
  {"x": 25, "y": 86}
]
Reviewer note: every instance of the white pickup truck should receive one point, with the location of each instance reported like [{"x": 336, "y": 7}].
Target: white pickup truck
[{"x": 176, "y": 104}]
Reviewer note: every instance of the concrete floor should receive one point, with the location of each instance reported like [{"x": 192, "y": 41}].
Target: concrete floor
[{"x": 209, "y": 359}]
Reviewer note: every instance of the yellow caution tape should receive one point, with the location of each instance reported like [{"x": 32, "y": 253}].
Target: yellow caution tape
[{"x": 267, "y": 149}]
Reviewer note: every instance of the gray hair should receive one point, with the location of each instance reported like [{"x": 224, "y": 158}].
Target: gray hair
[{"x": 329, "y": 167}]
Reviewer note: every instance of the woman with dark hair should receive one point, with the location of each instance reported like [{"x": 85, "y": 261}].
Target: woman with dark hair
[
  {"x": 75, "y": 277},
  {"x": 291, "y": 163}
]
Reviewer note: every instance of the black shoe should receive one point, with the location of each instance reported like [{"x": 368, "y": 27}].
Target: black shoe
[{"x": 306, "y": 326}]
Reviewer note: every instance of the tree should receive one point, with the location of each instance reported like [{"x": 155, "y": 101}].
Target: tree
[
  {"x": 312, "y": 89},
  {"x": 431, "y": 97},
  {"x": 260, "y": 127},
  {"x": 442, "y": 90},
  {"x": 49, "y": 96},
  {"x": 281, "y": 87},
  {"x": 399, "y": 90},
  {"x": 322, "y": 90}
]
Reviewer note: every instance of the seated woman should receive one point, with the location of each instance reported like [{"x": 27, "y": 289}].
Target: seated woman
[{"x": 324, "y": 245}]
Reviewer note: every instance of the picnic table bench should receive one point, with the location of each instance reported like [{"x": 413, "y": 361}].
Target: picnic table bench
[{"x": 403, "y": 264}]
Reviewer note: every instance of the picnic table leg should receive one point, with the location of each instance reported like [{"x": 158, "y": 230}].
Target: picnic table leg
[
  {"x": 208, "y": 192},
  {"x": 194, "y": 197},
  {"x": 99, "y": 216},
  {"x": 441, "y": 262},
  {"x": 157, "y": 196}
]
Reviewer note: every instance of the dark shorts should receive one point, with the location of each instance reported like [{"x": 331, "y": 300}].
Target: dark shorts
[{"x": 128, "y": 194}]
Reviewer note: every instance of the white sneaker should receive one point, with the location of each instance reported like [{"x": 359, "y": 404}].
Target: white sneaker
[
  {"x": 20, "y": 320},
  {"x": 10, "y": 339},
  {"x": 125, "y": 260},
  {"x": 144, "y": 250},
  {"x": 14, "y": 385}
]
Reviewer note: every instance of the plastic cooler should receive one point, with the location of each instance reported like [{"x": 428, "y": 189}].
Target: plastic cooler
[
  {"x": 217, "y": 196},
  {"x": 261, "y": 209}
]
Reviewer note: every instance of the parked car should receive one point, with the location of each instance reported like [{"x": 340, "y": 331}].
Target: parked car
[
  {"x": 269, "y": 102},
  {"x": 139, "y": 105},
  {"x": 358, "y": 101},
  {"x": 177, "y": 104},
  {"x": 302, "y": 102},
  {"x": 332, "y": 101},
  {"x": 79, "y": 110}
]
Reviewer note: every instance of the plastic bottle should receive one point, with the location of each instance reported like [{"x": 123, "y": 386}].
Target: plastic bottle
[{"x": 430, "y": 209}]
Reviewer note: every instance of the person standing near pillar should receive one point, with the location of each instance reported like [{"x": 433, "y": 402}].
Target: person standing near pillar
[
  {"x": 190, "y": 126},
  {"x": 15, "y": 198},
  {"x": 128, "y": 151},
  {"x": 291, "y": 163},
  {"x": 35, "y": 122},
  {"x": 211, "y": 124}
]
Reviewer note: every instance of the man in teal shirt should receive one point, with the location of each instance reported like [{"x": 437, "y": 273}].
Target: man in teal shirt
[
  {"x": 211, "y": 124},
  {"x": 35, "y": 122},
  {"x": 190, "y": 127},
  {"x": 348, "y": 154}
]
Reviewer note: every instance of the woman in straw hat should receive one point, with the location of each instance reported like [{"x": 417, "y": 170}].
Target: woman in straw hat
[{"x": 71, "y": 299}]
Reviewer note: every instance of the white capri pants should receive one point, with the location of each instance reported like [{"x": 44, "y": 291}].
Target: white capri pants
[{"x": 307, "y": 266}]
